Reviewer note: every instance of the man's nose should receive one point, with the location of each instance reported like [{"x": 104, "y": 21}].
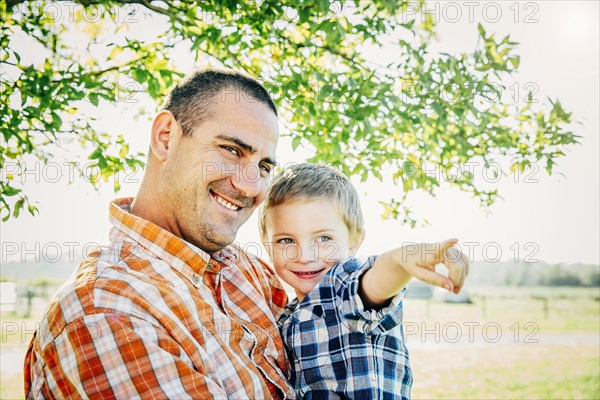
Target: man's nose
[{"x": 249, "y": 182}]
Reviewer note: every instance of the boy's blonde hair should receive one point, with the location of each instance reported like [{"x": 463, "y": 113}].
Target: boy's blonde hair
[{"x": 313, "y": 182}]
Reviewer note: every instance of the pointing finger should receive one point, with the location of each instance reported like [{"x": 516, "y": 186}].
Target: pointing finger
[
  {"x": 456, "y": 268},
  {"x": 465, "y": 260},
  {"x": 426, "y": 275},
  {"x": 443, "y": 249}
]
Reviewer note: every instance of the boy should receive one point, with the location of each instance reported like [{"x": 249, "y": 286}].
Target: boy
[{"x": 343, "y": 333}]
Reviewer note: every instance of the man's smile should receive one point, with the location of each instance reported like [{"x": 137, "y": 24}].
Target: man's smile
[{"x": 225, "y": 202}]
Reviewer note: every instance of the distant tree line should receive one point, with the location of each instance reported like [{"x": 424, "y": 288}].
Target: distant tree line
[
  {"x": 509, "y": 273},
  {"x": 557, "y": 275}
]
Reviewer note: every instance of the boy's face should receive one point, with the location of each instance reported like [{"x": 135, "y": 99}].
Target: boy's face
[{"x": 305, "y": 239}]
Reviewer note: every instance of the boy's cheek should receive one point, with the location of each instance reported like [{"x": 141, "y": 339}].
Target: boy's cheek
[
  {"x": 332, "y": 253},
  {"x": 278, "y": 262}
]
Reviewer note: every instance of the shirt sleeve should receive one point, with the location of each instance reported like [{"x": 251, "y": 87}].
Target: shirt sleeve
[
  {"x": 350, "y": 305},
  {"x": 117, "y": 356}
]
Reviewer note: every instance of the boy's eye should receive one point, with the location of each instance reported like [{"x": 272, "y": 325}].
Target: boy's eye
[
  {"x": 285, "y": 241},
  {"x": 324, "y": 238}
]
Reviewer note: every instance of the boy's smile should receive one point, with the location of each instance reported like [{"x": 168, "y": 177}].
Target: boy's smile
[
  {"x": 305, "y": 238},
  {"x": 308, "y": 275}
]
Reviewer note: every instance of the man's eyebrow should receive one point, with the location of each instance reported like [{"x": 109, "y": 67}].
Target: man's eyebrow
[
  {"x": 239, "y": 142},
  {"x": 244, "y": 146}
]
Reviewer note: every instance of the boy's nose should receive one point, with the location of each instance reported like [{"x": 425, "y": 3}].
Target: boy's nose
[{"x": 307, "y": 254}]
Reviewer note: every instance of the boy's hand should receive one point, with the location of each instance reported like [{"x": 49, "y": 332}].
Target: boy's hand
[
  {"x": 393, "y": 269},
  {"x": 420, "y": 260}
]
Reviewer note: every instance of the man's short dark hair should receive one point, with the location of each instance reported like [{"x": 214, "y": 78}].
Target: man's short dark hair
[{"x": 192, "y": 99}]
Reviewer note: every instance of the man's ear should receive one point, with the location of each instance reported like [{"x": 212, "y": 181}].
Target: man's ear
[
  {"x": 355, "y": 246},
  {"x": 163, "y": 129}
]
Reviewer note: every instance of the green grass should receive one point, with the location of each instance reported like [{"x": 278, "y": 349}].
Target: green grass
[
  {"x": 508, "y": 372},
  {"x": 563, "y": 364},
  {"x": 563, "y": 314}
]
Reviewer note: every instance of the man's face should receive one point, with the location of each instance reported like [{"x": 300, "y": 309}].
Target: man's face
[{"x": 213, "y": 179}]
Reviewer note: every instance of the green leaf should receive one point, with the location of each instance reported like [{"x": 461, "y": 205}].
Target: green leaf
[
  {"x": 115, "y": 52},
  {"x": 296, "y": 142},
  {"x": 32, "y": 209},
  {"x": 18, "y": 206},
  {"x": 94, "y": 99},
  {"x": 56, "y": 121},
  {"x": 515, "y": 61},
  {"x": 124, "y": 151},
  {"x": 10, "y": 191},
  {"x": 95, "y": 154},
  {"x": 481, "y": 30}
]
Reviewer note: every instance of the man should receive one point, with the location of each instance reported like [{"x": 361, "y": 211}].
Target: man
[{"x": 170, "y": 309}]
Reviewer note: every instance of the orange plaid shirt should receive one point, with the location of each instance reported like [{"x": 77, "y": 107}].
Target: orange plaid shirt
[{"x": 153, "y": 316}]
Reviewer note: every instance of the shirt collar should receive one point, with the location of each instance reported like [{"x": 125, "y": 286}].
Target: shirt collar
[{"x": 171, "y": 249}]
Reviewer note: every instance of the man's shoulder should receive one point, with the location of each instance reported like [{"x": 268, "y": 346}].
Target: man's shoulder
[{"x": 101, "y": 282}]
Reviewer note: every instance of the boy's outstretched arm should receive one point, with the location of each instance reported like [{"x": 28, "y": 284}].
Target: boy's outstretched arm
[{"x": 392, "y": 270}]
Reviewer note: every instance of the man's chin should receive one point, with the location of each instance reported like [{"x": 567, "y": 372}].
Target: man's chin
[
  {"x": 214, "y": 244},
  {"x": 212, "y": 237},
  {"x": 213, "y": 247}
]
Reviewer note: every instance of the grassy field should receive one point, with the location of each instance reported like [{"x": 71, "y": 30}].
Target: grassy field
[
  {"x": 509, "y": 343},
  {"x": 508, "y": 372}
]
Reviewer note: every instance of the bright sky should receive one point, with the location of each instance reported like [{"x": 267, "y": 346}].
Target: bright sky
[{"x": 555, "y": 219}]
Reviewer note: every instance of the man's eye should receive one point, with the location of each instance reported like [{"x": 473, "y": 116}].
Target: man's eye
[
  {"x": 285, "y": 241},
  {"x": 232, "y": 150},
  {"x": 266, "y": 168}
]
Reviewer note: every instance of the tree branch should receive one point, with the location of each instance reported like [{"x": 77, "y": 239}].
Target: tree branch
[{"x": 104, "y": 71}]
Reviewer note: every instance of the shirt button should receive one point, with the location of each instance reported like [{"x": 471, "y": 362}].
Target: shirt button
[
  {"x": 260, "y": 349},
  {"x": 211, "y": 266},
  {"x": 196, "y": 279}
]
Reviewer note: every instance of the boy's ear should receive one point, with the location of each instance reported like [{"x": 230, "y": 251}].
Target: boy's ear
[{"x": 355, "y": 246}]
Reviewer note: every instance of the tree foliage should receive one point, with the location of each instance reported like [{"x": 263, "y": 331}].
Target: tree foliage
[{"x": 422, "y": 111}]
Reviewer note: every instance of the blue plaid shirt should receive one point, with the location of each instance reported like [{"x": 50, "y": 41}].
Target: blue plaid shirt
[{"x": 338, "y": 349}]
